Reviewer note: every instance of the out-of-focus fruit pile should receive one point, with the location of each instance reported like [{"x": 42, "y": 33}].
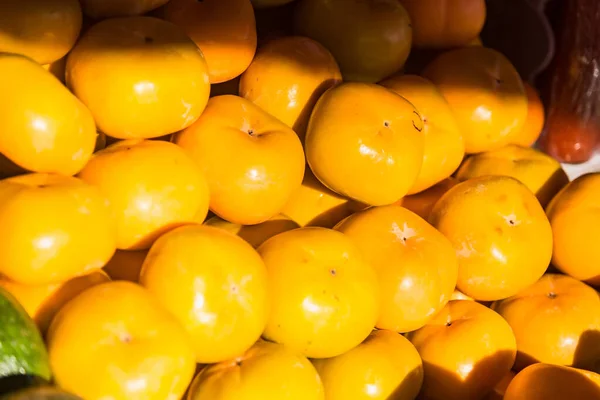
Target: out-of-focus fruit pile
[{"x": 275, "y": 200}]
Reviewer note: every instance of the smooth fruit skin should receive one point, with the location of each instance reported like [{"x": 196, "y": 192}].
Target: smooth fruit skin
[
  {"x": 385, "y": 366},
  {"x": 287, "y": 77},
  {"x": 42, "y": 302},
  {"x": 43, "y": 30},
  {"x": 125, "y": 265},
  {"x": 369, "y": 39},
  {"x": 485, "y": 93},
  {"x": 536, "y": 118},
  {"x": 117, "y": 333},
  {"x": 500, "y": 233},
  {"x": 159, "y": 187},
  {"x": 257, "y": 234},
  {"x": 422, "y": 203},
  {"x": 215, "y": 284},
  {"x": 365, "y": 142},
  {"x": 556, "y": 321},
  {"x": 312, "y": 204},
  {"x": 572, "y": 214},
  {"x": 43, "y": 127},
  {"x": 57, "y": 68},
  {"x": 225, "y": 31},
  {"x": 542, "y": 174},
  {"x": 416, "y": 265},
  {"x": 553, "y": 382},
  {"x": 466, "y": 350},
  {"x": 444, "y": 145},
  {"x": 267, "y": 371},
  {"x": 253, "y": 162},
  {"x": 444, "y": 24},
  {"x": 53, "y": 228},
  {"x": 325, "y": 296},
  {"x": 101, "y": 9},
  {"x": 129, "y": 102}
]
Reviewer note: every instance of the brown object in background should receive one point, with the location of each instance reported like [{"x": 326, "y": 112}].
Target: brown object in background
[{"x": 573, "y": 85}]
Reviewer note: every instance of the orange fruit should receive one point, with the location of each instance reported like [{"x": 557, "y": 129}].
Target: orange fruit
[
  {"x": 255, "y": 234},
  {"x": 444, "y": 146},
  {"x": 500, "y": 233},
  {"x": 385, "y": 366},
  {"x": 214, "y": 283},
  {"x": 158, "y": 188},
  {"x": 475, "y": 42},
  {"x": 485, "y": 93},
  {"x": 534, "y": 123},
  {"x": 57, "y": 68},
  {"x": 445, "y": 23},
  {"x": 312, "y": 204},
  {"x": 53, "y": 228},
  {"x": 422, "y": 203},
  {"x": 458, "y": 295},
  {"x": 125, "y": 265},
  {"x": 43, "y": 127},
  {"x": 572, "y": 214},
  {"x": 542, "y": 174},
  {"x": 252, "y": 161},
  {"x": 130, "y": 102},
  {"x": 325, "y": 296},
  {"x": 42, "y": 302},
  {"x": 287, "y": 77},
  {"x": 270, "y": 371},
  {"x": 498, "y": 392},
  {"x": 100, "y": 9},
  {"x": 43, "y": 30},
  {"x": 228, "y": 87},
  {"x": 117, "y": 333},
  {"x": 373, "y": 155},
  {"x": 225, "y": 31},
  {"x": 369, "y": 39},
  {"x": 556, "y": 320},
  {"x": 466, "y": 350},
  {"x": 553, "y": 382},
  {"x": 416, "y": 265}
]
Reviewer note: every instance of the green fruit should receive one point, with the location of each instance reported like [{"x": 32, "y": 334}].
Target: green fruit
[
  {"x": 40, "y": 393},
  {"x": 22, "y": 350}
]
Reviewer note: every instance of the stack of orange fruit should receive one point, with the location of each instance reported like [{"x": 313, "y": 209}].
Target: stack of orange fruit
[{"x": 249, "y": 199}]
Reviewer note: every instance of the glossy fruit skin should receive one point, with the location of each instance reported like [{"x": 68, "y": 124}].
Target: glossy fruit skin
[
  {"x": 257, "y": 234},
  {"x": 416, "y": 265},
  {"x": 43, "y": 30},
  {"x": 444, "y": 145},
  {"x": 119, "y": 326},
  {"x": 553, "y": 382},
  {"x": 225, "y": 31},
  {"x": 485, "y": 93},
  {"x": 313, "y": 204},
  {"x": 542, "y": 174},
  {"x": 159, "y": 188},
  {"x": 54, "y": 228},
  {"x": 500, "y": 233},
  {"x": 385, "y": 366},
  {"x": 574, "y": 223},
  {"x": 536, "y": 117},
  {"x": 252, "y": 161},
  {"x": 556, "y": 321},
  {"x": 365, "y": 142},
  {"x": 129, "y": 102},
  {"x": 125, "y": 265},
  {"x": 325, "y": 296},
  {"x": 466, "y": 350},
  {"x": 287, "y": 77},
  {"x": 42, "y": 302},
  {"x": 43, "y": 127},
  {"x": 445, "y": 24},
  {"x": 101, "y": 9},
  {"x": 215, "y": 283},
  {"x": 270, "y": 371},
  {"x": 369, "y": 39},
  {"x": 422, "y": 203}
]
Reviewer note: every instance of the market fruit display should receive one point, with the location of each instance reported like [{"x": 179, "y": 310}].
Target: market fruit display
[{"x": 285, "y": 200}]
